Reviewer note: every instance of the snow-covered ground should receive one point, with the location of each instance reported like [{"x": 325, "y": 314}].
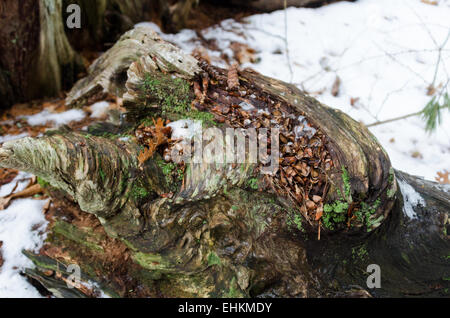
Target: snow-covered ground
[
  {"x": 22, "y": 226},
  {"x": 386, "y": 53}
]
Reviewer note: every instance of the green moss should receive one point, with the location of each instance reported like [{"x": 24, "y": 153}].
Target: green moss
[
  {"x": 213, "y": 259},
  {"x": 298, "y": 222},
  {"x": 405, "y": 257},
  {"x": 294, "y": 219},
  {"x": 359, "y": 253},
  {"x": 75, "y": 234},
  {"x": 335, "y": 213},
  {"x": 102, "y": 174},
  {"x": 167, "y": 168},
  {"x": 172, "y": 174},
  {"x": 138, "y": 193},
  {"x": 390, "y": 193},
  {"x": 253, "y": 183},
  {"x": 364, "y": 214},
  {"x": 153, "y": 262},
  {"x": 233, "y": 291},
  {"x": 391, "y": 189},
  {"x": 42, "y": 182},
  {"x": 391, "y": 176},
  {"x": 172, "y": 95},
  {"x": 347, "y": 186},
  {"x": 206, "y": 118}
]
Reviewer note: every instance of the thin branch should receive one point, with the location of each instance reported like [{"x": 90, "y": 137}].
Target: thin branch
[
  {"x": 286, "y": 44},
  {"x": 394, "y": 119},
  {"x": 412, "y": 114}
]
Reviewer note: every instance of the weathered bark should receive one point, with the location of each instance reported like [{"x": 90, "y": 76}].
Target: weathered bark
[
  {"x": 215, "y": 235},
  {"x": 108, "y": 74},
  {"x": 36, "y": 60}
]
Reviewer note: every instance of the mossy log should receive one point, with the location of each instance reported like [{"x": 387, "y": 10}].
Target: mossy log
[{"x": 216, "y": 234}]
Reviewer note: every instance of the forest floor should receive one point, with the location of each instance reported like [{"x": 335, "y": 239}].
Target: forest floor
[{"x": 373, "y": 59}]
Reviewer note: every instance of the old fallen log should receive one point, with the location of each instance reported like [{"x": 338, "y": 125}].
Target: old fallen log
[{"x": 310, "y": 227}]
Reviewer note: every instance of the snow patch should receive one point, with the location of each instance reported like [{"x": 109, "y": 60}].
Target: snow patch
[
  {"x": 99, "y": 109},
  {"x": 58, "y": 119},
  {"x": 12, "y": 137},
  {"x": 185, "y": 128},
  {"x": 95, "y": 287},
  {"x": 22, "y": 226},
  {"x": 385, "y": 53},
  {"x": 411, "y": 198}
]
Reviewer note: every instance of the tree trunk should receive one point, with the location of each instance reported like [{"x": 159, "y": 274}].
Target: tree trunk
[
  {"x": 226, "y": 230},
  {"x": 271, "y": 5},
  {"x": 36, "y": 58}
]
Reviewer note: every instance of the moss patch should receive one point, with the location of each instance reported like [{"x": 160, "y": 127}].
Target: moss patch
[{"x": 213, "y": 259}]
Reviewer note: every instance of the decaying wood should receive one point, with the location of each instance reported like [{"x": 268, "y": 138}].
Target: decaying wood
[
  {"x": 214, "y": 235},
  {"x": 109, "y": 72}
]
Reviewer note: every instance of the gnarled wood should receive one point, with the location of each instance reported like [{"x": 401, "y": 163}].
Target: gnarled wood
[{"x": 216, "y": 235}]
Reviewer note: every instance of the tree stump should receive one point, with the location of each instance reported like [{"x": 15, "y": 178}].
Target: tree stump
[{"x": 308, "y": 228}]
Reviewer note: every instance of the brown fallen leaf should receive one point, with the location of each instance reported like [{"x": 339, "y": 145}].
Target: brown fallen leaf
[
  {"x": 7, "y": 175},
  {"x": 336, "y": 86},
  {"x": 47, "y": 206},
  {"x": 27, "y": 192},
  {"x": 416, "y": 154},
  {"x": 158, "y": 136},
  {"x": 243, "y": 53},
  {"x": 354, "y": 100},
  {"x": 430, "y": 2},
  {"x": 233, "y": 79},
  {"x": 319, "y": 215},
  {"x": 443, "y": 177}
]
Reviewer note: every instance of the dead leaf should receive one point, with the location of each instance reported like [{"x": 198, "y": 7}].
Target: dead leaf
[
  {"x": 354, "y": 100},
  {"x": 158, "y": 135},
  {"x": 430, "y": 2},
  {"x": 47, "y": 206},
  {"x": 443, "y": 177},
  {"x": 7, "y": 175},
  {"x": 319, "y": 215},
  {"x": 336, "y": 86},
  {"x": 416, "y": 154},
  {"x": 25, "y": 193},
  {"x": 431, "y": 90},
  {"x": 243, "y": 53},
  {"x": 233, "y": 79}
]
